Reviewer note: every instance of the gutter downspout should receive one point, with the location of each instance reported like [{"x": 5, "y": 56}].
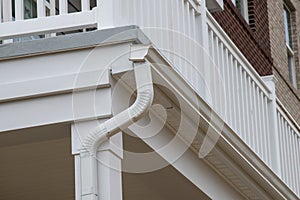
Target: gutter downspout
[{"x": 102, "y": 133}]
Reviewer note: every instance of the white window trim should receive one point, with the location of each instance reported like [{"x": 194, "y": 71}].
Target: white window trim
[{"x": 290, "y": 53}]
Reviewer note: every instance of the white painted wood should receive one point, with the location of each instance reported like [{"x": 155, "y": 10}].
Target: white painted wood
[
  {"x": 41, "y": 9},
  {"x": 247, "y": 107},
  {"x": 233, "y": 93},
  {"x": 63, "y": 7},
  {"x": 44, "y": 25},
  {"x": 269, "y": 134},
  {"x": 243, "y": 103},
  {"x": 107, "y": 15},
  {"x": 264, "y": 139},
  {"x": 59, "y": 108},
  {"x": 77, "y": 167},
  {"x": 52, "y": 8},
  {"x": 290, "y": 149},
  {"x": 52, "y": 85},
  {"x": 274, "y": 130},
  {"x": 251, "y": 139},
  {"x": 1, "y": 18},
  {"x": 85, "y": 5},
  {"x": 19, "y": 10},
  {"x": 107, "y": 176},
  {"x": 7, "y": 11},
  {"x": 237, "y": 95},
  {"x": 236, "y": 53},
  {"x": 260, "y": 124},
  {"x": 191, "y": 167}
]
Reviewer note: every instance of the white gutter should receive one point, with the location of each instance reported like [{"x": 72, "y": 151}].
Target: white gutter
[{"x": 145, "y": 93}]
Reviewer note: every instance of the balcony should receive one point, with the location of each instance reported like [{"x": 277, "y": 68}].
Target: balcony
[{"x": 197, "y": 48}]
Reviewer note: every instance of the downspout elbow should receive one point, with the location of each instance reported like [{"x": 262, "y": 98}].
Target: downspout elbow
[{"x": 143, "y": 102}]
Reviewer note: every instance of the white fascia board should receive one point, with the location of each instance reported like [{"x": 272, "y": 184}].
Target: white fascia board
[{"x": 229, "y": 142}]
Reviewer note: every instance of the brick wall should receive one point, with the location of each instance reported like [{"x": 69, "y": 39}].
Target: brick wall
[
  {"x": 241, "y": 34},
  {"x": 258, "y": 21},
  {"x": 286, "y": 93},
  {"x": 262, "y": 41},
  {"x": 286, "y": 97}
]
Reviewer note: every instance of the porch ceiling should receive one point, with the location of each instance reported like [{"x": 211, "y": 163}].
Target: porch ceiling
[{"x": 36, "y": 163}]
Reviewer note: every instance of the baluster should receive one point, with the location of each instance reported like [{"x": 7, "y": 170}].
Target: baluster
[
  {"x": 251, "y": 113},
  {"x": 243, "y": 102},
  {"x": 235, "y": 77},
  {"x": 7, "y": 10},
  {"x": 248, "y": 107},
  {"x": 216, "y": 75},
  {"x": 222, "y": 83},
  {"x": 264, "y": 128},
  {"x": 209, "y": 75},
  {"x": 52, "y": 8},
  {"x": 194, "y": 51},
  {"x": 268, "y": 131},
  {"x": 291, "y": 156},
  {"x": 297, "y": 146},
  {"x": 63, "y": 7},
  {"x": 294, "y": 153},
  {"x": 281, "y": 146},
  {"x": 177, "y": 36},
  {"x": 7, "y": 15},
  {"x": 232, "y": 93},
  {"x": 41, "y": 9},
  {"x": 287, "y": 156},
  {"x": 228, "y": 88},
  {"x": 0, "y": 11},
  {"x": 85, "y": 5},
  {"x": 19, "y": 10},
  {"x": 259, "y": 123},
  {"x": 255, "y": 119},
  {"x": 185, "y": 8},
  {"x": 166, "y": 13}
]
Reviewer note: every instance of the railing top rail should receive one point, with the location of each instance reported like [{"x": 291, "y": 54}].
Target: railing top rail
[
  {"x": 288, "y": 117},
  {"x": 44, "y": 25},
  {"x": 213, "y": 24}
]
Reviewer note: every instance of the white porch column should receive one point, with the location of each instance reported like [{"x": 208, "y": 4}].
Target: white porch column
[
  {"x": 272, "y": 107},
  {"x": 105, "y": 181}
]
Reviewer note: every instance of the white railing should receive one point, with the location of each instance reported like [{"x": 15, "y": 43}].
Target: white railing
[
  {"x": 174, "y": 28},
  {"x": 50, "y": 18},
  {"x": 289, "y": 140},
  {"x": 189, "y": 37},
  {"x": 249, "y": 108},
  {"x": 246, "y": 98}
]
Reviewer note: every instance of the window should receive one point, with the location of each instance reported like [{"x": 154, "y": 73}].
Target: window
[
  {"x": 289, "y": 45},
  {"x": 30, "y": 9},
  {"x": 242, "y": 6}
]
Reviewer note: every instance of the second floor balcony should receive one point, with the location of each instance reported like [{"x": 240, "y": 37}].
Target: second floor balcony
[{"x": 190, "y": 40}]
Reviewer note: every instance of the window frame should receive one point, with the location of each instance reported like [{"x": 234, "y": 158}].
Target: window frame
[
  {"x": 289, "y": 42},
  {"x": 243, "y": 9}
]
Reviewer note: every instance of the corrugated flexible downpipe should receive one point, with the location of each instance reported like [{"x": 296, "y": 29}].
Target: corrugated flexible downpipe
[
  {"x": 145, "y": 93},
  {"x": 124, "y": 119}
]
